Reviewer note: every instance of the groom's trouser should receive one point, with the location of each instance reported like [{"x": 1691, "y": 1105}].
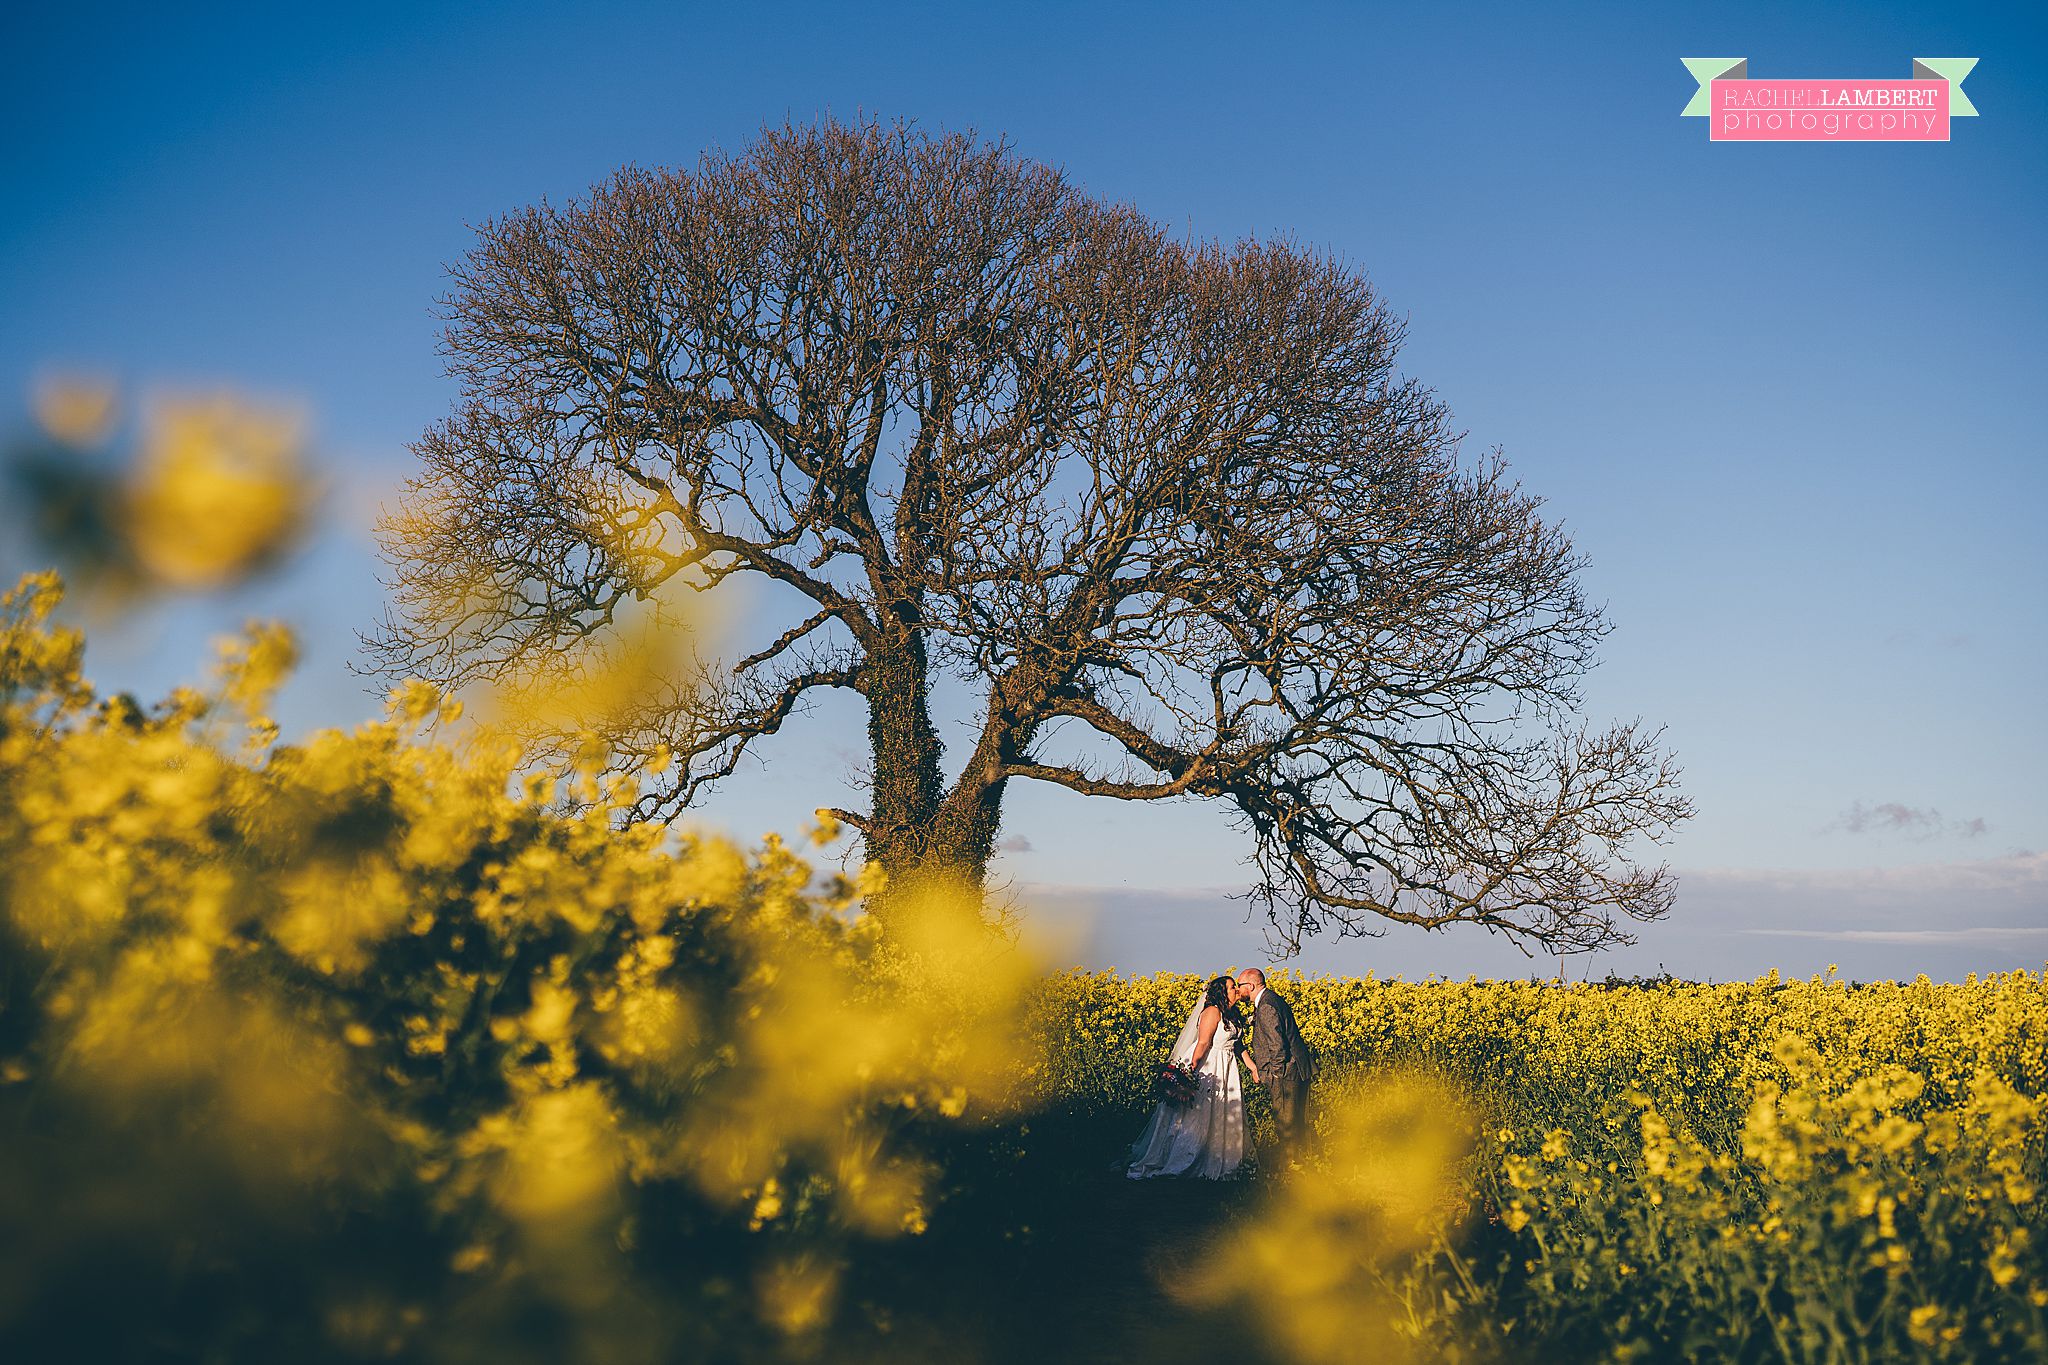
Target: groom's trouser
[{"x": 1289, "y": 1093}]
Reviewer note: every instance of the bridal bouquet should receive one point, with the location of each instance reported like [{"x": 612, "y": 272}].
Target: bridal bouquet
[{"x": 1175, "y": 1084}]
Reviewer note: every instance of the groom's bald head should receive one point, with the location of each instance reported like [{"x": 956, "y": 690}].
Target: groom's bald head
[{"x": 1252, "y": 979}]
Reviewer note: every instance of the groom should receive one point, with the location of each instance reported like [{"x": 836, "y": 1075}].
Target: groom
[{"x": 1281, "y": 1061}]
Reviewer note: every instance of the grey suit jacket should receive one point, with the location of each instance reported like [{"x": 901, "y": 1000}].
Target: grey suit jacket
[{"x": 1277, "y": 1048}]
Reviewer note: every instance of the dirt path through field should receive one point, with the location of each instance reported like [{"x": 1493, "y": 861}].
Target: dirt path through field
[{"x": 1088, "y": 1269}]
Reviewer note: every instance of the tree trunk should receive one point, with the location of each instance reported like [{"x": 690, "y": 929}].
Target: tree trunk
[
  {"x": 963, "y": 836},
  {"x": 920, "y": 832},
  {"x": 907, "y": 790}
]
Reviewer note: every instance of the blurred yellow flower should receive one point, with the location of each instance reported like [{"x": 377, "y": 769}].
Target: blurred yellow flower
[
  {"x": 220, "y": 490},
  {"x": 78, "y": 410}
]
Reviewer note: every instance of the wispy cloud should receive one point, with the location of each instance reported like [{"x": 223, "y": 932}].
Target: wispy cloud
[
  {"x": 1919, "y": 641},
  {"x": 1944, "y": 918},
  {"x": 1974, "y": 933},
  {"x": 1016, "y": 843},
  {"x": 2020, "y": 878},
  {"x": 1915, "y": 822}
]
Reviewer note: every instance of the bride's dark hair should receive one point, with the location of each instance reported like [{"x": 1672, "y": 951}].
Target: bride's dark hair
[{"x": 1219, "y": 996}]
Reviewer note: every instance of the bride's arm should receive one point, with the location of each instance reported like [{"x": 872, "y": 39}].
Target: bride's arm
[{"x": 1205, "y": 1034}]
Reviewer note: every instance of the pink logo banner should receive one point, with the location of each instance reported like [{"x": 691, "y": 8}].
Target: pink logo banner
[
  {"x": 1829, "y": 111},
  {"x": 1916, "y": 109}
]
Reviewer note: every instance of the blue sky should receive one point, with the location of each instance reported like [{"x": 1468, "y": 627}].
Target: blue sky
[{"x": 1788, "y": 398}]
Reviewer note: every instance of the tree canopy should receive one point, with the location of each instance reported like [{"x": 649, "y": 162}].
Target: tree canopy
[{"x": 1168, "y": 507}]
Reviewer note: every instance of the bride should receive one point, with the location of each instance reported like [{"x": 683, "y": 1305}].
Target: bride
[{"x": 1206, "y": 1138}]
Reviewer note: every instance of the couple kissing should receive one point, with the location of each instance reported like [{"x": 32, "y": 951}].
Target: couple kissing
[{"x": 1197, "y": 1130}]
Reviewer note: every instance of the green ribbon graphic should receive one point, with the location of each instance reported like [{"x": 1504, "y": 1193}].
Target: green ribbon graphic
[
  {"x": 1952, "y": 70},
  {"x": 1707, "y": 70}
]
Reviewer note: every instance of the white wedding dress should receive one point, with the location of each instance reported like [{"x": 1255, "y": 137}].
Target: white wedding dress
[{"x": 1205, "y": 1140}]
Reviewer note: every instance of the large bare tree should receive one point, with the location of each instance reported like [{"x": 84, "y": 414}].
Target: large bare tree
[{"x": 1168, "y": 507}]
